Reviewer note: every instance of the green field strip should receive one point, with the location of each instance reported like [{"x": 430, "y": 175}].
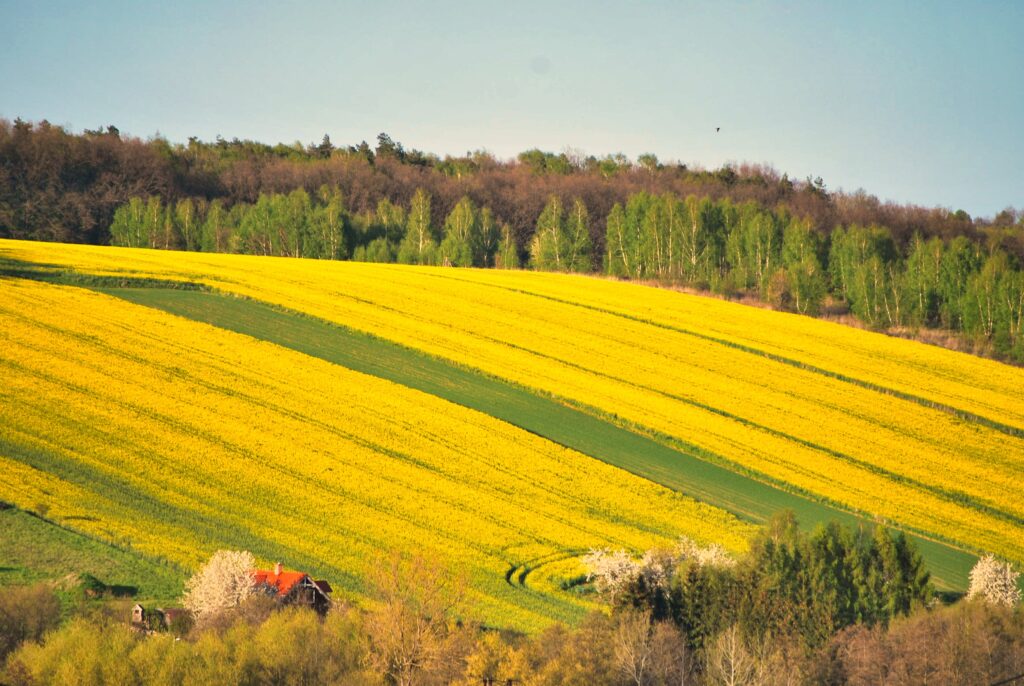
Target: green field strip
[
  {"x": 959, "y": 497},
  {"x": 1007, "y": 429},
  {"x": 677, "y": 468},
  {"x": 34, "y": 549}
]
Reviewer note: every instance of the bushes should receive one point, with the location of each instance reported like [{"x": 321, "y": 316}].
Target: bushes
[
  {"x": 970, "y": 643},
  {"x": 793, "y": 584},
  {"x": 26, "y": 613},
  {"x": 293, "y": 646}
]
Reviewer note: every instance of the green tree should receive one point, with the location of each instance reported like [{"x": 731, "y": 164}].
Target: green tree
[
  {"x": 329, "y": 225},
  {"x": 619, "y": 257},
  {"x": 461, "y": 234},
  {"x": 419, "y": 245},
  {"x": 867, "y": 273},
  {"x": 549, "y": 250},
  {"x": 961, "y": 260},
  {"x": 186, "y": 221},
  {"x": 256, "y": 230},
  {"x": 486, "y": 240},
  {"x": 391, "y": 219},
  {"x": 128, "y": 227},
  {"x": 217, "y": 229},
  {"x": 801, "y": 246},
  {"x": 921, "y": 281},
  {"x": 754, "y": 247},
  {"x": 577, "y": 238},
  {"x": 507, "y": 254}
]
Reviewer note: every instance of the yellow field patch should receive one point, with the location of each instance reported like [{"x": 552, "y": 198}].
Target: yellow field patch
[{"x": 177, "y": 438}]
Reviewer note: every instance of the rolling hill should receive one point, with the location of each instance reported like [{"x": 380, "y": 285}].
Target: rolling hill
[{"x": 745, "y": 409}]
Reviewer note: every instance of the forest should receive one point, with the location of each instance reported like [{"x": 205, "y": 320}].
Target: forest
[{"x": 741, "y": 231}]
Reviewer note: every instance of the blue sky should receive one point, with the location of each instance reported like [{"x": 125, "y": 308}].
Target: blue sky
[{"x": 914, "y": 102}]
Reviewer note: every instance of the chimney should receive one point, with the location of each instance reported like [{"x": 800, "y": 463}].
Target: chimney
[{"x": 278, "y": 568}]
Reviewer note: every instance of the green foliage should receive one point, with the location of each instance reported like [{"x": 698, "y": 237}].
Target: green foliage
[
  {"x": 562, "y": 240},
  {"x": 293, "y": 646},
  {"x": 506, "y": 255},
  {"x": 793, "y": 583},
  {"x": 805, "y": 277},
  {"x": 734, "y": 249},
  {"x": 866, "y": 272},
  {"x": 419, "y": 245},
  {"x": 461, "y": 237}
]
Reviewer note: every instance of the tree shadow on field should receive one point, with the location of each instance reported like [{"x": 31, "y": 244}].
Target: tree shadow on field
[{"x": 66, "y": 276}]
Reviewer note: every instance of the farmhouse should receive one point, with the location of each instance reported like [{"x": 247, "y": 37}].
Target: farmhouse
[{"x": 293, "y": 588}]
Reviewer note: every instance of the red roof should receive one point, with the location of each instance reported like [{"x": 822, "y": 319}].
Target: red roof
[{"x": 283, "y": 582}]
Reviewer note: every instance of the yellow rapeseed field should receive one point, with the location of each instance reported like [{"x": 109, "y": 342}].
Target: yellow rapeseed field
[
  {"x": 177, "y": 438},
  {"x": 669, "y": 363}
]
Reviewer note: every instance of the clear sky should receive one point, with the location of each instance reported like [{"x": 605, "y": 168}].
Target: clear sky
[{"x": 915, "y": 102}]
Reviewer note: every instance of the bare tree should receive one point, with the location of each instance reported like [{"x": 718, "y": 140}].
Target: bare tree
[
  {"x": 650, "y": 653},
  {"x": 633, "y": 646},
  {"x": 671, "y": 661},
  {"x": 729, "y": 661},
  {"x": 412, "y": 631}
]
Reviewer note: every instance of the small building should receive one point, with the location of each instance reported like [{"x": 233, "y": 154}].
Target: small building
[
  {"x": 294, "y": 588},
  {"x": 160, "y": 618}
]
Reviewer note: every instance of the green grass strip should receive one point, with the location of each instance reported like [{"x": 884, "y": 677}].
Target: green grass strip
[
  {"x": 35, "y": 549},
  {"x": 678, "y": 469}
]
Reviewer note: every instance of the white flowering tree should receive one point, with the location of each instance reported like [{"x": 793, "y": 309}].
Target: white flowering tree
[
  {"x": 611, "y": 571},
  {"x": 994, "y": 581},
  {"x": 223, "y": 582},
  {"x": 713, "y": 555}
]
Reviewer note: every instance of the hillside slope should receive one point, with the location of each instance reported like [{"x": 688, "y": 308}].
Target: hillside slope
[
  {"x": 923, "y": 437},
  {"x": 178, "y": 438}
]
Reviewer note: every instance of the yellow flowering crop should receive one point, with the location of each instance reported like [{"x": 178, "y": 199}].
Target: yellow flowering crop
[
  {"x": 178, "y": 438},
  {"x": 671, "y": 363}
]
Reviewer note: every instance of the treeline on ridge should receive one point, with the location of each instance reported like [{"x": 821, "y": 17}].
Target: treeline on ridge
[
  {"x": 716, "y": 245},
  {"x": 743, "y": 230}
]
